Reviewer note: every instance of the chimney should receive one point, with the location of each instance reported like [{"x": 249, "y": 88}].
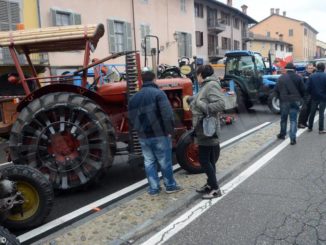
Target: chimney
[
  {"x": 244, "y": 9},
  {"x": 284, "y": 13},
  {"x": 272, "y": 11},
  {"x": 229, "y": 3},
  {"x": 277, "y": 11}
]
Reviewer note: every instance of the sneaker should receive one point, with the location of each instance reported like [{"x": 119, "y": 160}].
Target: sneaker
[
  {"x": 301, "y": 125},
  {"x": 322, "y": 131},
  {"x": 309, "y": 129},
  {"x": 173, "y": 189},
  {"x": 293, "y": 142},
  {"x": 204, "y": 189},
  {"x": 154, "y": 194},
  {"x": 212, "y": 194},
  {"x": 280, "y": 137}
]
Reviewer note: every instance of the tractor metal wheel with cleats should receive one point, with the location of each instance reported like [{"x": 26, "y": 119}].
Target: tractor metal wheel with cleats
[
  {"x": 6, "y": 238},
  {"x": 62, "y": 135},
  {"x": 37, "y": 193}
]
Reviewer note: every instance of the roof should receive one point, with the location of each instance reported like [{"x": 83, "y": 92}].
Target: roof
[
  {"x": 52, "y": 39},
  {"x": 259, "y": 37},
  {"x": 234, "y": 10},
  {"x": 239, "y": 53},
  {"x": 301, "y": 22}
]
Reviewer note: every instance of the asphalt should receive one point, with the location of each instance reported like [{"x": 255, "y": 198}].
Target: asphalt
[
  {"x": 282, "y": 203},
  {"x": 138, "y": 216}
]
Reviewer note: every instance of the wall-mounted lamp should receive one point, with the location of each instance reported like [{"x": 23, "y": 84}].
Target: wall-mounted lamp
[{"x": 175, "y": 36}]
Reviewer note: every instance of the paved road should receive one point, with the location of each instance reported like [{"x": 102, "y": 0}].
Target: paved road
[
  {"x": 282, "y": 203},
  {"x": 122, "y": 174}
]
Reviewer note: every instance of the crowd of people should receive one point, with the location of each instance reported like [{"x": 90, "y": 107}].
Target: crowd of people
[{"x": 309, "y": 92}]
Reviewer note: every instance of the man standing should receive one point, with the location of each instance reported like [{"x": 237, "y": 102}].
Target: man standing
[
  {"x": 290, "y": 90},
  {"x": 305, "y": 109},
  {"x": 317, "y": 90},
  {"x": 151, "y": 115}
]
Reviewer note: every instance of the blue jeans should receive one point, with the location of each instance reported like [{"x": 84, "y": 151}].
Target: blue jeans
[
  {"x": 158, "y": 151},
  {"x": 289, "y": 109},
  {"x": 314, "y": 106}
]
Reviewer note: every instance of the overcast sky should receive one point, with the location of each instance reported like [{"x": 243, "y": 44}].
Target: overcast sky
[{"x": 311, "y": 11}]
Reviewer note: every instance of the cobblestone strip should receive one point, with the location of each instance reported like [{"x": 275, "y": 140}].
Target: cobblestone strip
[{"x": 137, "y": 217}]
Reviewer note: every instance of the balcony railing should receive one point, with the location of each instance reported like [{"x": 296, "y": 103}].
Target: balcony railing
[
  {"x": 247, "y": 35},
  {"x": 37, "y": 59},
  {"x": 217, "y": 52},
  {"x": 215, "y": 25}
]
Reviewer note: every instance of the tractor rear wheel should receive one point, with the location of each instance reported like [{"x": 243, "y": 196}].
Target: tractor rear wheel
[
  {"x": 6, "y": 238},
  {"x": 37, "y": 195},
  {"x": 65, "y": 136}
]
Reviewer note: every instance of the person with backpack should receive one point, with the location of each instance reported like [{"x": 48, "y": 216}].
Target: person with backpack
[{"x": 290, "y": 90}]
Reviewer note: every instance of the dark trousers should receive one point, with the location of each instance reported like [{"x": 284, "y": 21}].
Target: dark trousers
[
  {"x": 208, "y": 156},
  {"x": 314, "y": 106},
  {"x": 305, "y": 111}
]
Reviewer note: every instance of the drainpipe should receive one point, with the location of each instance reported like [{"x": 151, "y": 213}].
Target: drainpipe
[{"x": 134, "y": 22}]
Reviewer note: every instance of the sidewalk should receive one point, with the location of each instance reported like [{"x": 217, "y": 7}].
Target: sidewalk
[{"x": 134, "y": 218}]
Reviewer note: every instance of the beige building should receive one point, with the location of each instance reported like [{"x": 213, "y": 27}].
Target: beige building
[
  {"x": 264, "y": 45},
  {"x": 321, "y": 49},
  {"x": 126, "y": 23},
  {"x": 219, "y": 28},
  {"x": 299, "y": 33}
]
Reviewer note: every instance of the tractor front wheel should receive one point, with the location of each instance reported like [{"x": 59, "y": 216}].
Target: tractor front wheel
[
  {"x": 37, "y": 195},
  {"x": 274, "y": 103},
  {"x": 65, "y": 136}
]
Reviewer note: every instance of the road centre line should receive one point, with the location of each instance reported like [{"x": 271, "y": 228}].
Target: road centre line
[
  {"x": 185, "y": 219},
  {"x": 73, "y": 216}
]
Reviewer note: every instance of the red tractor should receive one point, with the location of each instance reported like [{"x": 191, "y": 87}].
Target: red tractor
[{"x": 71, "y": 133}]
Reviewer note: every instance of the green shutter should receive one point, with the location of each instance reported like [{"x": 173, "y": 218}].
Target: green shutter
[
  {"x": 189, "y": 45},
  {"x": 77, "y": 19},
  {"x": 127, "y": 42},
  {"x": 111, "y": 36},
  {"x": 54, "y": 17}
]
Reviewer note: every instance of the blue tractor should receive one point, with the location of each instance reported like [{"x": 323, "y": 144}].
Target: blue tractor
[{"x": 254, "y": 82}]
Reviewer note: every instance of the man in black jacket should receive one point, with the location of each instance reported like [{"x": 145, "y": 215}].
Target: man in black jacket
[
  {"x": 290, "y": 90},
  {"x": 317, "y": 90},
  {"x": 151, "y": 115}
]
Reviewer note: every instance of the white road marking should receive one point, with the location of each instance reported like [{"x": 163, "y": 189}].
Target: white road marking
[
  {"x": 75, "y": 214},
  {"x": 188, "y": 217}
]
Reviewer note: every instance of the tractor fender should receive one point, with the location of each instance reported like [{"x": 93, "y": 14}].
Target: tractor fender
[{"x": 60, "y": 88}]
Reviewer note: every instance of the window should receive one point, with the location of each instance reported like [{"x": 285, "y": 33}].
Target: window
[
  {"x": 282, "y": 47},
  {"x": 64, "y": 18},
  {"x": 212, "y": 45},
  {"x": 236, "y": 23},
  {"x": 290, "y": 32},
  {"x": 225, "y": 18},
  {"x": 199, "y": 38},
  {"x": 276, "y": 46},
  {"x": 236, "y": 45},
  {"x": 119, "y": 36},
  {"x": 199, "y": 10},
  {"x": 268, "y": 34},
  {"x": 290, "y": 49},
  {"x": 184, "y": 44},
  {"x": 263, "y": 45},
  {"x": 145, "y": 30},
  {"x": 226, "y": 43},
  {"x": 211, "y": 17},
  {"x": 305, "y": 31},
  {"x": 183, "y": 6}
]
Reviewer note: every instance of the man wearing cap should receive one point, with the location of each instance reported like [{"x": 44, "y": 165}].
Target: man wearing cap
[
  {"x": 290, "y": 90},
  {"x": 151, "y": 115},
  {"x": 317, "y": 90}
]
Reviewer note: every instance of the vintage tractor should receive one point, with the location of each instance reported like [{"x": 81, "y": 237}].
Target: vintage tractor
[
  {"x": 254, "y": 83},
  {"x": 71, "y": 133},
  {"x": 26, "y": 198}
]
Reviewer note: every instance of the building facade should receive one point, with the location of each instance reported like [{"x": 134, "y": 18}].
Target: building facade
[
  {"x": 320, "y": 49},
  {"x": 219, "y": 28},
  {"x": 296, "y": 32}
]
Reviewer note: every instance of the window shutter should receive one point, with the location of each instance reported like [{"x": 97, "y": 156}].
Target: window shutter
[
  {"x": 127, "y": 37},
  {"x": 14, "y": 11},
  {"x": 180, "y": 44},
  {"x": 77, "y": 19},
  {"x": 111, "y": 36},
  {"x": 54, "y": 17},
  {"x": 4, "y": 13},
  {"x": 189, "y": 45},
  {"x": 148, "y": 44}
]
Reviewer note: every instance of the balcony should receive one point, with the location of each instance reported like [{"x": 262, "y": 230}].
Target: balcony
[
  {"x": 37, "y": 59},
  {"x": 216, "y": 53},
  {"x": 215, "y": 26},
  {"x": 247, "y": 36}
]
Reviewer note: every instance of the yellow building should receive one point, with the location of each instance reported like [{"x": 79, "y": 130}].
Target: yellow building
[
  {"x": 296, "y": 32},
  {"x": 18, "y": 14}
]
